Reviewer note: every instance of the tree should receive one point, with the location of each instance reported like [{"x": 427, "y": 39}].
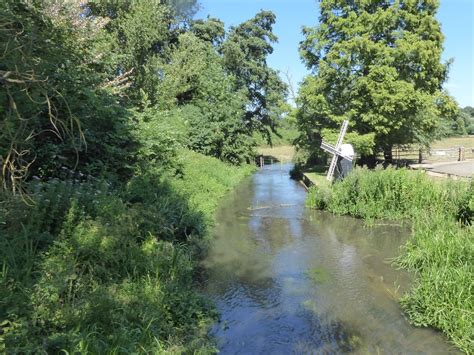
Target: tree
[
  {"x": 138, "y": 39},
  {"x": 467, "y": 115},
  {"x": 211, "y": 30},
  {"x": 378, "y": 64},
  {"x": 196, "y": 83},
  {"x": 245, "y": 53}
]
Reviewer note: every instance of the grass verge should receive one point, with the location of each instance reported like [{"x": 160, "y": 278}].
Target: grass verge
[{"x": 441, "y": 250}]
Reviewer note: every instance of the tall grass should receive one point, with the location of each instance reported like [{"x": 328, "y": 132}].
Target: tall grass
[
  {"x": 441, "y": 250},
  {"x": 91, "y": 269}
]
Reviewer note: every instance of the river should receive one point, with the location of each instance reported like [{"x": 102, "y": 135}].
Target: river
[{"x": 287, "y": 279}]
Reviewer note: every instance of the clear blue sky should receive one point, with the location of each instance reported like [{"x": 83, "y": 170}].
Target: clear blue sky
[{"x": 456, "y": 17}]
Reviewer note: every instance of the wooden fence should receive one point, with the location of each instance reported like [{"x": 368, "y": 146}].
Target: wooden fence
[
  {"x": 263, "y": 160},
  {"x": 401, "y": 156},
  {"x": 411, "y": 154}
]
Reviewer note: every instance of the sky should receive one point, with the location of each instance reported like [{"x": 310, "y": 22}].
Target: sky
[{"x": 456, "y": 17}]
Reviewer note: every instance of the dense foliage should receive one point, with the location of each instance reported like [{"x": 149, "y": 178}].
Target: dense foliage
[
  {"x": 464, "y": 123},
  {"x": 92, "y": 269},
  {"x": 245, "y": 52},
  {"x": 441, "y": 250},
  {"x": 377, "y": 64},
  {"x": 74, "y": 76},
  {"x": 112, "y": 116}
]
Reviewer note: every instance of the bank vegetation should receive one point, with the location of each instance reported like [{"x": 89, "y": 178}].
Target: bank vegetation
[
  {"x": 122, "y": 123},
  {"x": 440, "y": 251}
]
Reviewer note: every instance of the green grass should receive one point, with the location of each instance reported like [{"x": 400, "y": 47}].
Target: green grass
[
  {"x": 441, "y": 250},
  {"x": 317, "y": 174},
  {"x": 92, "y": 269}
]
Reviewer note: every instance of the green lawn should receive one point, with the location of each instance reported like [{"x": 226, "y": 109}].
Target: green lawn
[{"x": 317, "y": 175}]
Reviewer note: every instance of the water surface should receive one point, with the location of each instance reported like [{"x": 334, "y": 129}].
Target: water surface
[{"x": 287, "y": 279}]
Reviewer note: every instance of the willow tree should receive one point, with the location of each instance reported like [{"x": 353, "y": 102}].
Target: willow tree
[{"x": 378, "y": 64}]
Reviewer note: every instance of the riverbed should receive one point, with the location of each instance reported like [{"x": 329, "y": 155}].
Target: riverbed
[{"x": 287, "y": 279}]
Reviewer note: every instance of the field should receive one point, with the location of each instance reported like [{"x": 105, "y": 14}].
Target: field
[
  {"x": 452, "y": 142},
  {"x": 283, "y": 153}
]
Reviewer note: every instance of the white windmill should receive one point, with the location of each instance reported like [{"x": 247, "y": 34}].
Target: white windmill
[{"x": 340, "y": 151}]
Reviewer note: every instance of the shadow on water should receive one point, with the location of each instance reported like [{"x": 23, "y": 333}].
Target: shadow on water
[{"x": 288, "y": 279}]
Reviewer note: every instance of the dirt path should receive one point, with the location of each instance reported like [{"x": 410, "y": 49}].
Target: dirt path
[
  {"x": 461, "y": 169},
  {"x": 465, "y": 168}
]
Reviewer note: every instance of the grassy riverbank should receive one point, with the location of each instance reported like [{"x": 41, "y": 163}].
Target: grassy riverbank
[
  {"x": 441, "y": 250},
  {"x": 93, "y": 269}
]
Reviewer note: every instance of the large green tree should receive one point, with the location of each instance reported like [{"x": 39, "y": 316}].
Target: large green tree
[
  {"x": 378, "y": 64},
  {"x": 211, "y": 30},
  {"x": 136, "y": 45},
  {"x": 245, "y": 53}
]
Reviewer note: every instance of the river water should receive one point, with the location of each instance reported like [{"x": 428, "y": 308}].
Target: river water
[{"x": 287, "y": 279}]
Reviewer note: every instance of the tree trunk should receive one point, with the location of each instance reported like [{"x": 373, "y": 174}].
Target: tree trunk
[
  {"x": 368, "y": 160},
  {"x": 387, "y": 154}
]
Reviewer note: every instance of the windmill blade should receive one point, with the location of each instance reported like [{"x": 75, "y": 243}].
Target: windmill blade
[
  {"x": 331, "y": 150},
  {"x": 332, "y": 168},
  {"x": 345, "y": 124},
  {"x": 335, "y": 150}
]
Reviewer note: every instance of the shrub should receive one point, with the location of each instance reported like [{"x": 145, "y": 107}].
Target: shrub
[{"x": 319, "y": 197}]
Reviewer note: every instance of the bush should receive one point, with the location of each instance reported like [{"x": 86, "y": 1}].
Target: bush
[
  {"x": 466, "y": 209},
  {"x": 319, "y": 197}
]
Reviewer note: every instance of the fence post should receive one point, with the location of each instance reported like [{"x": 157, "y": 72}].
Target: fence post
[
  {"x": 461, "y": 154},
  {"x": 420, "y": 155}
]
